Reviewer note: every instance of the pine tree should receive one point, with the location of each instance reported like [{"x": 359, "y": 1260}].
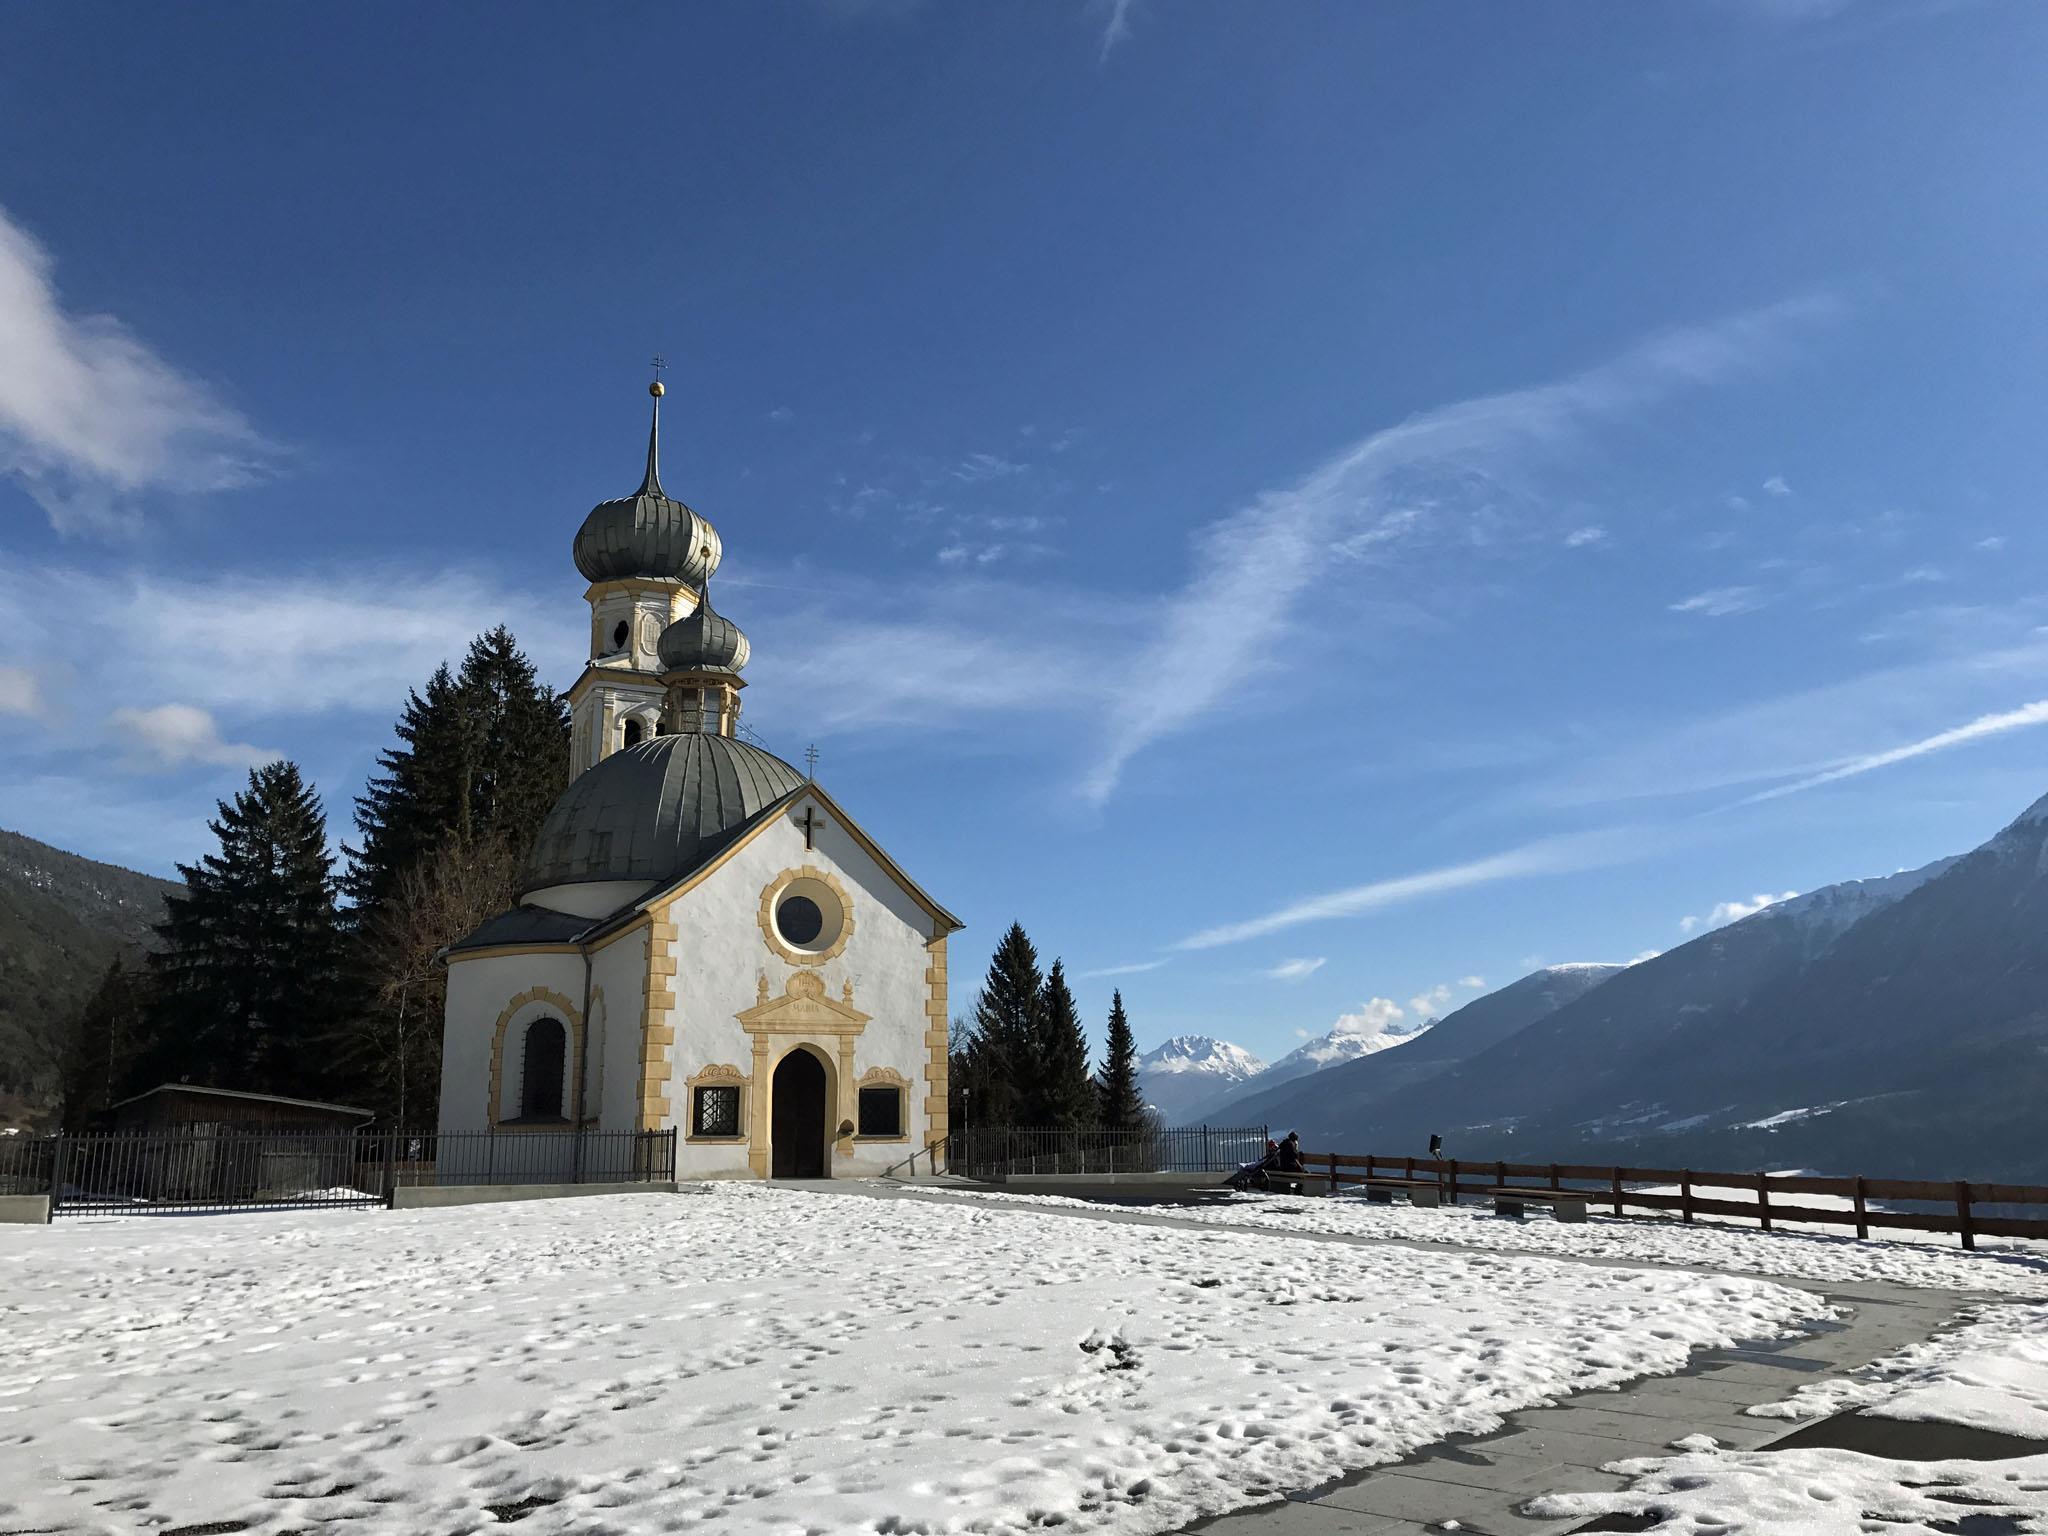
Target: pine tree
[
  {"x": 247, "y": 981},
  {"x": 1119, "y": 1103},
  {"x": 1002, "y": 1053},
  {"x": 484, "y": 753},
  {"x": 1065, "y": 1096}
]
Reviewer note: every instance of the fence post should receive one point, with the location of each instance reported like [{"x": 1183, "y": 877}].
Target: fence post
[
  {"x": 1554, "y": 1184},
  {"x": 57, "y": 1170},
  {"x": 1685, "y": 1193},
  {"x": 390, "y": 1169},
  {"x": 1963, "y": 1214},
  {"x": 1333, "y": 1173},
  {"x": 1454, "y": 1180},
  {"x": 1500, "y": 1172},
  {"x": 1616, "y": 1172},
  {"x": 1208, "y": 1162},
  {"x": 1862, "y": 1217},
  {"x": 1763, "y": 1199}
]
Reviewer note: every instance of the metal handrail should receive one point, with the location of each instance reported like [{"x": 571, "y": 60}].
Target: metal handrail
[{"x": 910, "y": 1162}]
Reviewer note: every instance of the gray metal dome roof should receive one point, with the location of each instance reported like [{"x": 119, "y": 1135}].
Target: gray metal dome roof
[
  {"x": 656, "y": 810},
  {"x": 649, "y": 533},
  {"x": 703, "y": 640}
]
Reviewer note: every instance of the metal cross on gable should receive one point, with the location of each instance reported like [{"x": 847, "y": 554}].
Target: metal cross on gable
[{"x": 811, "y": 824}]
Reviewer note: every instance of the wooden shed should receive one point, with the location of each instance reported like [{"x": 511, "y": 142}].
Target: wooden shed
[{"x": 182, "y": 1106}]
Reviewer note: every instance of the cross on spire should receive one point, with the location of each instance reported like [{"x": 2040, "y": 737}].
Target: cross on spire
[
  {"x": 659, "y": 364},
  {"x": 811, "y": 761}
]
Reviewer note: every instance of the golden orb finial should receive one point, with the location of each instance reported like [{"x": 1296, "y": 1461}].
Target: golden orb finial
[{"x": 655, "y": 389}]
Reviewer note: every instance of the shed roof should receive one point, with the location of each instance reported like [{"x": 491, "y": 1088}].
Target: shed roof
[{"x": 236, "y": 1093}]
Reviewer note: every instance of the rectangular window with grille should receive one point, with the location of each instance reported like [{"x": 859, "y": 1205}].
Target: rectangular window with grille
[
  {"x": 881, "y": 1112},
  {"x": 716, "y": 1112}
]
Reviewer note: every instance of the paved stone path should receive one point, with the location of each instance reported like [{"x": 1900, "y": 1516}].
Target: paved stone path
[{"x": 1480, "y": 1482}]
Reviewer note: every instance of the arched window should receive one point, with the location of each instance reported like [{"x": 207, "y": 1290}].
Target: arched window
[
  {"x": 632, "y": 734},
  {"x": 620, "y": 631},
  {"x": 543, "y": 1068}
]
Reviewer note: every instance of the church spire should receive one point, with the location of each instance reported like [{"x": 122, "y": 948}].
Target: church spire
[{"x": 651, "y": 485}]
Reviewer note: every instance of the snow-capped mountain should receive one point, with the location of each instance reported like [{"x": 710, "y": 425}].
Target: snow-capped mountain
[
  {"x": 1336, "y": 1106},
  {"x": 1192, "y": 1070},
  {"x": 1356, "y": 1035}
]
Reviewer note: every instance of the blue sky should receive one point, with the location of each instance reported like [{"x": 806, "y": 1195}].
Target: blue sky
[{"x": 1310, "y": 508}]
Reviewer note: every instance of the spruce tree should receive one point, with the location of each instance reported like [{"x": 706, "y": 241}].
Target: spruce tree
[
  {"x": 1003, "y": 1051},
  {"x": 1065, "y": 1094},
  {"x": 248, "y": 976},
  {"x": 1120, "y": 1103},
  {"x": 482, "y": 754}
]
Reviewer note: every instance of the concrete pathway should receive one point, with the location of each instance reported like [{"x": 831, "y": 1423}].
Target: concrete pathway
[{"x": 1481, "y": 1482}]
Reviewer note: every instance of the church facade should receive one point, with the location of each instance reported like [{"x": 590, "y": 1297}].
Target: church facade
[{"x": 704, "y": 940}]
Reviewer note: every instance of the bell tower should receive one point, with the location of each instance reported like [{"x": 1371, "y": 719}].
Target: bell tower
[{"x": 646, "y": 557}]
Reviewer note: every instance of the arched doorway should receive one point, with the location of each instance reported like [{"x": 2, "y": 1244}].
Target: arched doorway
[{"x": 797, "y": 1130}]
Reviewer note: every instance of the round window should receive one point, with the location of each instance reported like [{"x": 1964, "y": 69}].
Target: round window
[
  {"x": 808, "y": 921},
  {"x": 799, "y": 920}
]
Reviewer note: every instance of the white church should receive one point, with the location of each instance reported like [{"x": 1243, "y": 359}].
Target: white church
[{"x": 703, "y": 939}]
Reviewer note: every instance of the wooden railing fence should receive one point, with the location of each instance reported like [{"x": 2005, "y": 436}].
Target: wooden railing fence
[{"x": 1620, "y": 1188}]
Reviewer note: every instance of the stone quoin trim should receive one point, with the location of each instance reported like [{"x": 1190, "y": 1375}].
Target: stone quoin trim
[
  {"x": 657, "y": 1034},
  {"x": 938, "y": 1067}
]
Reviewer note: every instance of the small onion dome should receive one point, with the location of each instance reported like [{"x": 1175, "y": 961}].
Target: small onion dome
[
  {"x": 649, "y": 533},
  {"x": 703, "y": 640}
]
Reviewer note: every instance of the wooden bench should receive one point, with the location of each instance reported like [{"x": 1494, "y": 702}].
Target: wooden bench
[
  {"x": 1281, "y": 1181},
  {"x": 1565, "y": 1204},
  {"x": 1382, "y": 1190}
]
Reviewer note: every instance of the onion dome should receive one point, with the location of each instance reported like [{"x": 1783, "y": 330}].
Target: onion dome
[
  {"x": 656, "y": 810},
  {"x": 648, "y": 534},
  {"x": 703, "y": 640}
]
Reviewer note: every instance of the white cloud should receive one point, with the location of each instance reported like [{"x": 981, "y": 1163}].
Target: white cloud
[
  {"x": 1472, "y": 983},
  {"x": 19, "y": 692},
  {"x": 1581, "y": 538},
  {"x": 781, "y": 413},
  {"x": 1387, "y": 489},
  {"x": 1727, "y": 912},
  {"x": 1555, "y": 855},
  {"x": 273, "y": 645},
  {"x": 1375, "y": 1016},
  {"x": 1644, "y": 954},
  {"x": 1776, "y": 486},
  {"x": 1116, "y": 26},
  {"x": 171, "y": 735},
  {"x": 1432, "y": 1001},
  {"x": 1994, "y": 543},
  {"x": 90, "y": 416},
  {"x": 1295, "y": 970},
  {"x": 1133, "y": 969},
  {"x": 1719, "y": 602},
  {"x": 977, "y": 467},
  {"x": 1979, "y": 729}
]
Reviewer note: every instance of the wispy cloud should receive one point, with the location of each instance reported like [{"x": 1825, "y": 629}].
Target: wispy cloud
[
  {"x": 20, "y": 692},
  {"x": 1979, "y": 729},
  {"x": 1295, "y": 970},
  {"x": 1729, "y": 911},
  {"x": 1776, "y": 486},
  {"x": 1553, "y": 855},
  {"x": 1584, "y": 538},
  {"x": 1136, "y": 967},
  {"x": 90, "y": 416},
  {"x": 172, "y": 735},
  {"x": 977, "y": 467},
  {"x": 1116, "y": 24},
  {"x": 1719, "y": 602},
  {"x": 339, "y": 641},
  {"x": 1256, "y": 564}
]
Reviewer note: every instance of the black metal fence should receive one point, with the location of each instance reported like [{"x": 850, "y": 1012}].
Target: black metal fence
[
  {"x": 1008, "y": 1151},
  {"x": 205, "y": 1168}
]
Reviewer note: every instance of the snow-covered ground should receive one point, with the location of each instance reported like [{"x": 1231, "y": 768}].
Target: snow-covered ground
[
  {"x": 2005, "y": 1267},
  {"x": 1990, "y": 1374},
  {"x": 769, "y": 1361}
]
